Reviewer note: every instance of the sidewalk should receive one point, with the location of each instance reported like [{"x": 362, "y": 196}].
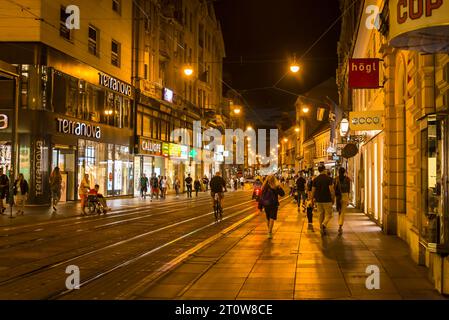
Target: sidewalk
[{"x": 298, "y": 263}]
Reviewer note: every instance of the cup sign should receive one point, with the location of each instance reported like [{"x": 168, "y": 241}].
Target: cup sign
[{"x": 364, "y": 73}]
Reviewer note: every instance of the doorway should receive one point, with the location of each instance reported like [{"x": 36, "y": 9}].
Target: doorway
[{"x": 64, "y": 158}]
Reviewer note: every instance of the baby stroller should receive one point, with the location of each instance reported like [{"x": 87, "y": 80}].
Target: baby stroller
[{"x": 94, "y": 205}]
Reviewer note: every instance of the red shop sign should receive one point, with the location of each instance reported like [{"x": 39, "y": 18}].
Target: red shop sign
[{"x": 364, "y": 73}]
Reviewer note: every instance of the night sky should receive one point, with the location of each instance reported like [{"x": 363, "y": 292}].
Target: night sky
[{"x": 260, "y": 37}]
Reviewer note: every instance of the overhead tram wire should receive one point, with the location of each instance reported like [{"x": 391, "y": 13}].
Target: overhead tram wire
[{"x": 317, "y": 40}]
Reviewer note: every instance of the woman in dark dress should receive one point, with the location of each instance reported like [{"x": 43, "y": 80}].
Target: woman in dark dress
[{"x": 271, "y": 191}]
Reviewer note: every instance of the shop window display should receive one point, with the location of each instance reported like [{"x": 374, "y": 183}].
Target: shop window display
[{"x": 432, "y": 145}]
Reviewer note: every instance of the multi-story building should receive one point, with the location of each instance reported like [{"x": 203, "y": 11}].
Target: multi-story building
[
  {"x": 103, "y": 98},
  {"x": 169, "y": 37},
  {"x": 74, "y": 97},
  {"x": 400, "y": 173},
  {"x": 312, "y": 115}
]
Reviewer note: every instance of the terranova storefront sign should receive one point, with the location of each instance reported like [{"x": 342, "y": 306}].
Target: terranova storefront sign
[{"x": 366, "y": 120}]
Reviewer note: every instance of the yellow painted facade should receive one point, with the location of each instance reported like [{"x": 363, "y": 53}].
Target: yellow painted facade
[
  {"x": 22, "y": 26},
  {"x": 393, "y": 171}
]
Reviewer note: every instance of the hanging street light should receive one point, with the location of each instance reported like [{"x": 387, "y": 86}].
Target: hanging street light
[
  {"x": 188, "y": 71},
  {"x": 344, "y": 127}
]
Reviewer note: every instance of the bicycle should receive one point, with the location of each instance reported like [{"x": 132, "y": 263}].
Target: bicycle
[{"x": 218, "y": 210}]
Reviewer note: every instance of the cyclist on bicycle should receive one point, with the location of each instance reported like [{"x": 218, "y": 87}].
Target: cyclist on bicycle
[{"x": 217, "y": 185}]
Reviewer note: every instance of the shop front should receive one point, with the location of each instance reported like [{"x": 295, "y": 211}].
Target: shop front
[
  {"x": 77, "y": 148},
  {"x": 150, "y": 159}
]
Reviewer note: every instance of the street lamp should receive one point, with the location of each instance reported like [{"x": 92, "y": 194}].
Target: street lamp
[
  {"x": 344, "y": 127},
  {"x": 249, "y": 128},
  {"x": 188, "y": 71},
  {"x": 305, "y": 109},
  {"x": 237, "y": 110},
  {"x": 285, "y": 140},
  {"x": 294, "y": 67},
  {"x": 297, "y": 129}
]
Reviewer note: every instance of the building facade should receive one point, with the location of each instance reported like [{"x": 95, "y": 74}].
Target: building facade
[
  {"x": 170, "y": 36},
  {"x": 75, "y": 97},
  {"x": 109, "y": 98},
  {"x": 400, "y": 171}
]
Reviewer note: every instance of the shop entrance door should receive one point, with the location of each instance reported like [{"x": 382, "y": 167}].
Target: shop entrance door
[{"x": 64, "y": 158}]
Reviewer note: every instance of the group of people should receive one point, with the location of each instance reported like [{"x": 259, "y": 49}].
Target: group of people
[
  {"x": 158, "y": 186},
  {"x": 321, "y": 192},
  {"x": 19, "y": 190},
  {"x": 236, "y": 181}
]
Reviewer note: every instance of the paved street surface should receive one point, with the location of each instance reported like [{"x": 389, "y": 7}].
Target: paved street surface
[
  {"x": 172, "y": 249},
  {"x": 298, "y": 263}
]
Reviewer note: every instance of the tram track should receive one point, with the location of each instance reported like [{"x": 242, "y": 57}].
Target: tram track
[
  {"x": 70, "y": 233},
  {"x": 116, "y": 244}
]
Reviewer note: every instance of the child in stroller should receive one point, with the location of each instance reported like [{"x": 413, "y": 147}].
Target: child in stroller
[{"x": 96, "y": 202}]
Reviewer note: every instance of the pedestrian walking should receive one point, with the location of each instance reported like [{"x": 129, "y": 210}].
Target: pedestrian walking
[
  {"x": 309, "y": 211},
  {"x": 20, "y": 192},
  {"x": 55, "y": 187},
  {"x": 4, "y": 190},
  {"x": 177, "y": 186},
  {"x": 164, "y": 186},
  {"x": 143, "y": 186},
  {"x": 323, "y": 195},
  {"x": 154, "y": 183},
  {"x": 236, "y": 183},
  {"x": 188, "y": 182},
  {"x": 242, "y": 181},
  {"x": 206, "y": 183},
  {"x": 269, "y": 201},
  {"x": 197, "y": 186},
  {"x": 301, "y": 189},
  {"x": 342, "y": 189},
  {"x": 83, "y": 191}
]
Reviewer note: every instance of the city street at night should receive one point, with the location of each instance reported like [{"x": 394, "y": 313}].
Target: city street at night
[
  {"x": 228, "y": 159},
  {"x": 172, "y": 249}
]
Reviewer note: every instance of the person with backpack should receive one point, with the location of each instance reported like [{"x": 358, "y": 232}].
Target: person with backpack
[
  {"x": 342, "y": 189},
  {"x": 323, "y": 195},
  {"x": 271, "y": 190}
]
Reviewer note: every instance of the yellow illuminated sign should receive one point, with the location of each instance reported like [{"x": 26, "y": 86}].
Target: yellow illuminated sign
[
  {"x": 413, "y": 16},
  {"x": 366, "y": 120}
]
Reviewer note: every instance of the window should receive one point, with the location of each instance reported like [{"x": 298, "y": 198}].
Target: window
[
  {"x": 201, "y": 36},
  {"x": 115, "y": 53},
  {"x": 93, "y": 40},
  {"x": 117, "y": 6},
  {"x": 63, "y": 30}
]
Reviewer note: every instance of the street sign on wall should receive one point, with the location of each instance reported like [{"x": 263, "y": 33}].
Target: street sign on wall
[
  {"x": 364, "y": 73},
  {"x": 366, "y": 120}
]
